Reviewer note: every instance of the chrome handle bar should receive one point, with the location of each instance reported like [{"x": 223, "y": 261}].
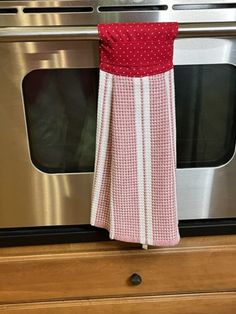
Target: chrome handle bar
[{"x": 57, "y": 33}]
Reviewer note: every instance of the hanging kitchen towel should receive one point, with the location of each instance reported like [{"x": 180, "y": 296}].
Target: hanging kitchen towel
[{"x": 134, "y": 188}]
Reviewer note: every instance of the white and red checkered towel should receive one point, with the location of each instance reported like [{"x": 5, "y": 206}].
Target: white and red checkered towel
[{"x": 134, "y": 190}]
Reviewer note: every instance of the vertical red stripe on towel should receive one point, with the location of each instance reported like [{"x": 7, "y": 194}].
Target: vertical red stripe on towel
[
  {"x": 163, "y": 168},
  {"x": 134, "y": 190},
  {"x": 124, "y": 161}
]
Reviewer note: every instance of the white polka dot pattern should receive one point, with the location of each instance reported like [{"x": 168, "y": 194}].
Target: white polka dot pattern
[{"x": 136, "y": 49}]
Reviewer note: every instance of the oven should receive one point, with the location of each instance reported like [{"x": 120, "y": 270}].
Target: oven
[{"x": 48, "y": 95}]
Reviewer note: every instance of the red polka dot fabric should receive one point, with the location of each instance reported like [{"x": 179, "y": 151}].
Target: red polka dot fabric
[{"x": 137, "y": 49}]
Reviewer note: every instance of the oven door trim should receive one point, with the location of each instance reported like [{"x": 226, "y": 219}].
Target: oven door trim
[{"x": 86, "y": 233}]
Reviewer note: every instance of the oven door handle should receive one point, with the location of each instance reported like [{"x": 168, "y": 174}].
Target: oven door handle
[{"x": 57, "y": 33}]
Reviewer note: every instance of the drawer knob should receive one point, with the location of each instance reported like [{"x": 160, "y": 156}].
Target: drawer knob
[{"x": 135, "y": 279}]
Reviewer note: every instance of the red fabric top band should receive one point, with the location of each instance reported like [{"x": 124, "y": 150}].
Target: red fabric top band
[{"x": 137, "y": 49}]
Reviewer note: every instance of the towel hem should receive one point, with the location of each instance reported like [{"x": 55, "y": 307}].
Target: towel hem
[{"x": 172, "y": 242}]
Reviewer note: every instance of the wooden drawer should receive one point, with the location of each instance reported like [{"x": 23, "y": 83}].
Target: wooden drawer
[
  {"x": 224, "y": 303},
  {"x": 103, "y": 269}
]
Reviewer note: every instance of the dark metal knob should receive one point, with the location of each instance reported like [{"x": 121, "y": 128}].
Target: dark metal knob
[{"x": 135, "y": 279}]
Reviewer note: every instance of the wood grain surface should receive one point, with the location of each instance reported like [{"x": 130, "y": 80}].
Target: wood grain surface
[
  {"x": 101, "y": 270},
  {"x": 215, "y": 303}
]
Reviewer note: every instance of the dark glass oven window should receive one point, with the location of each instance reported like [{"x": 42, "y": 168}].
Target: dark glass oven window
[
  {"x": 205, "y": 114},
  {"x": 60, "y": 106},
  {"x": 60, "y": 110}
]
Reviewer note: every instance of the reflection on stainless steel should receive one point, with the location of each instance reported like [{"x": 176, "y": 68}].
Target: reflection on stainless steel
[
  {"x": 154, "y": 13},
  {"x": 50, "y": 207},
  {"x": 195, "y": 194},
  {"x": 48, "y": 33},
  {"x": 11, "y": 34},
  {"x": 29, "y": 197}
]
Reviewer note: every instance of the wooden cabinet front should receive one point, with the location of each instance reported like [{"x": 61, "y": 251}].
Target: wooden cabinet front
[
  {"x": 224, "y": 303},
  {"x": 72, "y": 271}
]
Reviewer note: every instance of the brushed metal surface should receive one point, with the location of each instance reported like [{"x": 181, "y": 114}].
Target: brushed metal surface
[
  {"x": 96, "y": 16},
  {"x": 50, "y": 33},
  {"x": 29, "y": 197}
]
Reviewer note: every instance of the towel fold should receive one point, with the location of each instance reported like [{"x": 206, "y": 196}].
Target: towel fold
[{"x": 134, "y": 188}]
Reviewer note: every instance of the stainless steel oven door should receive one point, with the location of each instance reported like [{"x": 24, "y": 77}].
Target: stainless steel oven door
[
  {"x": 48, "y": 118},
  {"x": 30, "y": 193},
  {"x": 207, "y": 190}
]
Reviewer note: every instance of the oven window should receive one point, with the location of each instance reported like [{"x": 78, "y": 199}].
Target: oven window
[
  {"x": 206, "y": 114},
  {"x": 60, "y": 106}
]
